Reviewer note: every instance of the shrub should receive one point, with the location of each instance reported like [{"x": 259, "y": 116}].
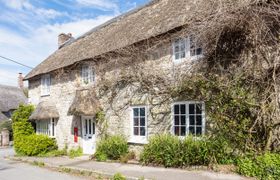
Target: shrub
[
  {"x": 100, "y": 156},
  {"x": 26, "y": 142},
  {"x": 265, "y": 166},
  {"x": 33, "y": 145},
  {"x": 112, "y": 147},
  {"x": 171, "y": 151},
  {"x": 22, "y": 113},
  {"x": 118, "y": 176},
  {"x": 21, "y": 124},
  {"x": 162, "y": 150},
  {"x": 75, "y": 153}
]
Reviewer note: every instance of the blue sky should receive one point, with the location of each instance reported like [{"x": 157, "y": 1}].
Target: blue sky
[{"x": 29, "y": 28}]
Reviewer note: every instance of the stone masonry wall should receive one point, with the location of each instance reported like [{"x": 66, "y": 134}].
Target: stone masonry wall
[{"x": 118, "y": 112}]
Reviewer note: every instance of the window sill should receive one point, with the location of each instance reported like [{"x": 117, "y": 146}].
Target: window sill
[
  {"x": 45, "y": 95},
  {"x": 86, "y": 86},
  {"x": 197, "y": 57},
  {"x": 137, "y": 141},
  {"x": 190, "y": 58}
]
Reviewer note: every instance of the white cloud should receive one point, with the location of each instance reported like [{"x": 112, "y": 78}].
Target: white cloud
[
  {"x": 18, "y": 4},
  {"x": 35, "y": 37},
  {"x": 9, "y": 77},
  {"x": 27, "y": 7},
  {"x": 101, "y": 4},
  {"x": 40, "y": 43}
]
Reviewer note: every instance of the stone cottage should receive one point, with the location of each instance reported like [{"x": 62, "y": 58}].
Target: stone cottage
[
  {"x": 10, "y": 98},
  {"x": 110, "y": 80}
]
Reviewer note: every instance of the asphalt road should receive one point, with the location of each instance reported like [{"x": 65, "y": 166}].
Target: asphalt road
[{"x": 13, "y": 170}]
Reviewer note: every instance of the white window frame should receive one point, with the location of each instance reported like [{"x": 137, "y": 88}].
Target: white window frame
[
  {"x": 187, "y": 50},
  {"x": 45, "y": 85},
  {"x": 49, "y": 128},
  {"x": 87, "y": 74},
  {"x": 138, "y": 138},
  {"x": 187, "y": 103}
]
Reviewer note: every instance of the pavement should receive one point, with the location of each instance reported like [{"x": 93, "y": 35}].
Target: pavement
[
  {"x": 131, "y": 171},
  {"x": 16, "y": 170}
]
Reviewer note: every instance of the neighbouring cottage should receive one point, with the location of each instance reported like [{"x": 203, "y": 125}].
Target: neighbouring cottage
[
  {"x": 121, "y": 69},
  {"x": 10, "y": 99}
]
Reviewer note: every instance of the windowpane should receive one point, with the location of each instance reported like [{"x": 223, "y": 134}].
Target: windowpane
[
  {"x": 183, "y": 120},
  {"x": 176, "y": 109},
  {"x": 86, "y": 126},
  {"x": 183, "y": 130},
  {"x": 183, "y": 55},
  {"x": 176, "y": 130},
  {"x": 191, "y": 130},
  {"x": 136, "y": 131},
  {"x": 198, "y": 130},
  {"x": 89, "y": 126},
  {"x": 136, "y": 111},
  {"x": 177, "y": 122},
  {"x": 177, "y": 48},
  {"x": 142, "y": 111},
  {"x": 142, "y": 121},
  {"x": 136, "y": 121},
  {"x": 139, "y": 121},
  {"x": 192, "y": 120},
  {"x": 182, "y": 48},
  {"x": 198, "y": 108},
  {"x": 198, "y": 51},
  {"x": 191, "y": 109},
  {"x": 199, "y": 120},
  {"x": 192, "y": 52},
  {"x": 177, "y": 56},
  {"x": 142, "y": 131},
  {"x": 183, "y": 109}
]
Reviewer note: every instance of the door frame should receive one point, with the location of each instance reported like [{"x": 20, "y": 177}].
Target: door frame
[{"x": 84, "y": 131}]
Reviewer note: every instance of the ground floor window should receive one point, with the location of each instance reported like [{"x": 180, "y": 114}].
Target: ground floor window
[
  {"x": 189, "y": 118},
  {"x": 139, "y": 123},
  {"x": 47, "y": 127}
]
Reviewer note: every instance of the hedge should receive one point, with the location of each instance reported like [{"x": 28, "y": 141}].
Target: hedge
[
  {"x": 26, "y": 142},
  {"x": 171, "y": 151},
  {"x": 34, "y": 144},
  {"x": 112, "y": 147},
  {"x": 266, "y": 166}
]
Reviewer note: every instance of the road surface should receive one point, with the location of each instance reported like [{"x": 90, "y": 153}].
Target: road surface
[{"x": 13, "y": 170}]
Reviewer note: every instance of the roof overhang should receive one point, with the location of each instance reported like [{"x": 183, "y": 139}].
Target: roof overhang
[
  {"x": 44, "y": 111},
  {"x": 85, "y": 103}
]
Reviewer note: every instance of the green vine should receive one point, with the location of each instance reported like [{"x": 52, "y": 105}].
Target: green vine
[{"x": 102, "y": 124}]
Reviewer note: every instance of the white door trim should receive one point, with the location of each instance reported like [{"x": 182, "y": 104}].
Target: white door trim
[{"x": 88, "y": 135}]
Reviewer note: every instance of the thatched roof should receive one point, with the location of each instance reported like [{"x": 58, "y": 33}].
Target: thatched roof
[
  {"x": 157, "y": 17},
  {"x": 11, "y": 98},
  {"x": 44, "y": 110},
  {"x": 85, "y": 103}
]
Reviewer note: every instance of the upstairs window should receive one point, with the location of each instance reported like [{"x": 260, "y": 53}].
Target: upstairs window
[
  {"x": 186, "y": 48},
  {"x": 179, "y": 49},
  {"x": 189, "y": 118},
  {"x": 87, "y": 75},
  {"x": 195, "y": 47},
  {"x": 45, "y": 85}
]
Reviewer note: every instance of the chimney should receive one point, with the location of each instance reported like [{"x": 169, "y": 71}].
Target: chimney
[
  {"x": 20, "y": 81},
  {"x": 62, "y": 38}
]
